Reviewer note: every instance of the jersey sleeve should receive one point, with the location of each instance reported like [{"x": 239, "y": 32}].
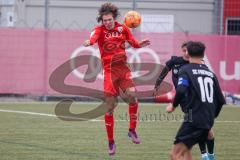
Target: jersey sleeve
[
  {"x": 162, "y": 75},
  {"x": 170, "y": 63},
  {"x": 95, "y": 34},
  {"x": 182, "y": 88},
  {"x": 130, "y": 38}
]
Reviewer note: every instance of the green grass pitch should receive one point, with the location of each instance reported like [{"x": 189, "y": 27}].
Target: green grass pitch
[{"x": 27, "y": 136}]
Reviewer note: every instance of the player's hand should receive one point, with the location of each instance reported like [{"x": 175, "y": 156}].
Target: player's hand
[
  {"x": 170, "y": 108},
  {"x": 144, "y": 43},
  {"x": 86, "y": 43}
]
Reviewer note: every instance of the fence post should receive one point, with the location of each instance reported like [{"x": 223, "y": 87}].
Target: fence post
[
  {"x": 45, "y": 72},
  {"x": 46, "y": 24},
  {"x": 134, "y": 5},
  {"x": 222, "y": 17}
]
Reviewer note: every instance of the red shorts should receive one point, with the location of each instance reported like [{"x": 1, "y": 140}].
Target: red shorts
[{"x": 118, "y": 77}]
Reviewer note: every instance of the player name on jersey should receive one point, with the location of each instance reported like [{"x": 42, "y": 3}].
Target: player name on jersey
[{"x": 202, "y": 72}]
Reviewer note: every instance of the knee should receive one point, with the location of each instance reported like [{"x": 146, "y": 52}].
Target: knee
[
  {"x": 172, "y": 155},
  {"x": 111, "y": 104},
  {"x": 131, "y": 96},
  {"x": 210, "y": 135}
]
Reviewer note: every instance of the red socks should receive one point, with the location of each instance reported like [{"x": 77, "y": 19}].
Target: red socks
[
  {"x": 109, "y": 120},
  {"x": 109, "y": 123},
  {"x": 133, "y": 107}
]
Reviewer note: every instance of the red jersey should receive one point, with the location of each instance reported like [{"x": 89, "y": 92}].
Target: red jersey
[{"x": 112, "y": 43}]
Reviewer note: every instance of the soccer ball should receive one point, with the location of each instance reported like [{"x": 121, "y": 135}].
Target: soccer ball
[{"x": 132, "y": 19}]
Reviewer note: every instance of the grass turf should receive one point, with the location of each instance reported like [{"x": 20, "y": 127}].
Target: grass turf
[{"x": 26, "y": 136}]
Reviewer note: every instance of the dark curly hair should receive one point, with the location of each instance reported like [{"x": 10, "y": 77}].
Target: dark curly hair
[
  {"x": 196, "y": 49},
  {"x": 107, "y": 8}
]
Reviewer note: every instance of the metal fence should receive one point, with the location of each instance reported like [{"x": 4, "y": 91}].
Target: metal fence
[{"x": 203, "y": 16}]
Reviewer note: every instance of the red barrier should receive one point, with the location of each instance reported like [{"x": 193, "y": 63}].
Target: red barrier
[{"x": 28, "y": 57}]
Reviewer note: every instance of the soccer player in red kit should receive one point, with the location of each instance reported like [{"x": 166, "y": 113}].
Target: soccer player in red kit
[{"x": 111, "y": 37}]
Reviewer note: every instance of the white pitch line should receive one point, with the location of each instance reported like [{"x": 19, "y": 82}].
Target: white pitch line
[
  {"x": 24, "y": 112},
  {"x": 40, "y": 114},
  {"x": 91, "y": 120}
]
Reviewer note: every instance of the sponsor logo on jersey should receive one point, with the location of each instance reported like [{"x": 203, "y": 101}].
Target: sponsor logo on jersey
[{"x": 113, "y": 34}]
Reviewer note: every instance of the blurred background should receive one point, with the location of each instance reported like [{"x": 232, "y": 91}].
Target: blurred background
[{"x": 37, "y": 36}]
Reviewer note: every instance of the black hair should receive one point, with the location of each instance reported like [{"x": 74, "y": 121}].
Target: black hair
[
  {"x": 184, "y": 44},
  {"x": 196, "y": 49}
]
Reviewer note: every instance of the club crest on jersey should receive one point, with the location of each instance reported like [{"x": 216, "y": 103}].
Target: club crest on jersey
[
  {"x": 120, "y": 29},
  {"x": 175, "y": 71}
]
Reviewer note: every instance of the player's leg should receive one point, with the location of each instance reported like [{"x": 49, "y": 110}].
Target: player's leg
[
  {"x": 210, "y": 145},
  {"x": 180, "y": 152},
  {"x": 111, "y": 101},
  {"x": 183, "y": 143},
  {"x": 203, "y": 140},
  {"x": 127, "y": 85},
  {"x": 109, "y": 118},
  {"x": 166, "y": 97},
  {"x": 175, "y": 151},
  {"x": 202, "y": 147},
  {"x": 109, "y": 123},
  {"x": 133, "y": 108},
  {"x": 188, "y": 155},
  {"x": 189, "y": 136}
]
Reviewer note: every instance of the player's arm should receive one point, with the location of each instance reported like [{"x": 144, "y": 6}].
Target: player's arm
[
  {"x": 163, "y": 74},
  {"x": 182, "y": 88},
  {"x": 159, "y": 80},
  {"x": 132, "y": 41},
  {"x": 220, "y": 100},
  {"x": 93, "y": 37}
]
